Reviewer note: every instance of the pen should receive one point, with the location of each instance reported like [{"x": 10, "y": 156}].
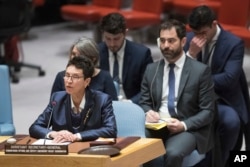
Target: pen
[
  {"x": 168, "y": 121},
  {"x": 28, "y": 141}
]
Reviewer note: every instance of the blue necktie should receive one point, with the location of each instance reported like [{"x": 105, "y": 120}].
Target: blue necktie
[
  {"x": 171, "y": 93},
  {"x": 116, "y": 69}
]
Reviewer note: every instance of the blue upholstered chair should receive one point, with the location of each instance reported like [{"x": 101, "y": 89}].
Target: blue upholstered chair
[
  {"x": 117, "y": 87},
  {"x": 192, "y": 159},
  {"x": 130, "y": 119},
  {"x": 6, "y": 118}
]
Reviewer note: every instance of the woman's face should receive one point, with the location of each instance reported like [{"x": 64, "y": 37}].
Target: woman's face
[
  {"x": 74, "y": 81},
  {"x": 74, "y": 52}
]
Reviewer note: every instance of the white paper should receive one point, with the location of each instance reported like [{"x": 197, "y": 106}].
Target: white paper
[{"x": 48, "y": 142}]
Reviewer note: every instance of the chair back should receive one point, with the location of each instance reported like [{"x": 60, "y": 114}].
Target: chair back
[
  {"x": 130, "y": 119},
  {"x": 149, "y": 6},
  {"x": 232, "y": 13},
  {"x": 6, "y": 118},
  {"x": 108, "y": 3},
  {"x": 14, "y": 17}
]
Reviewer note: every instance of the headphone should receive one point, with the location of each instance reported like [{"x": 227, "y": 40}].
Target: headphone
[{"x": 158, "y": 42}]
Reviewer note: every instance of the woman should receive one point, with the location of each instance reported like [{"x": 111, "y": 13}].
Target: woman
[
  {"x": 101, "y": 80},
  {"x": 79, "y": 113}
]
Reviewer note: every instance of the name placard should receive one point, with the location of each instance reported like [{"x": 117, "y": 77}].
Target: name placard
[{"x": 36, "y": 149}]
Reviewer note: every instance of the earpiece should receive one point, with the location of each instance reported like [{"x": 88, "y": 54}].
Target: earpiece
[{"x": 158, "y": 42}]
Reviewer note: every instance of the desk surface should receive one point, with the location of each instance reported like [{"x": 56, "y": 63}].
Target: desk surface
[{"x": 133, "y": 155}]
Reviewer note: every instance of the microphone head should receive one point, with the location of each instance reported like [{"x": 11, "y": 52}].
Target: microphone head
[
  {"x": 11, "y": 141},
  {"x": 53, "y": 103}
]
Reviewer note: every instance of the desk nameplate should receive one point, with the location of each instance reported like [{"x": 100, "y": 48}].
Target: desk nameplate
[
  {"x": 36, "y": 149},
  {"x": 132, "y": 155}
]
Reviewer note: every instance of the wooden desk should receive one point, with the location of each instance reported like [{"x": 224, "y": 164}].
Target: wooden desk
[{"x": 133, "y": 155}]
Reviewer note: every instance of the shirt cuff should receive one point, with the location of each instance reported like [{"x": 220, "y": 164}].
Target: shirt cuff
[
  {"x": 185, "y": 126},
  {"x": 48, "y": 136},
  {"x": 79, "y": 137}
]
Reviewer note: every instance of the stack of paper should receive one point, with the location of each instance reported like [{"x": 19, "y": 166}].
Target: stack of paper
[
  {"x": 48, "y": 142},
  {"x": 157, "y": 125}
]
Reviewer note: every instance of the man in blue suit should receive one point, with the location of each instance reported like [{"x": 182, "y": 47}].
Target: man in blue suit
[
  {"x": 132, "y": 58},
  {"x": 223, "y": 52}
]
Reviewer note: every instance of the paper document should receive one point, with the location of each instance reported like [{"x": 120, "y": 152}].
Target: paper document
[
  {"x": 157, "y": 125},
  {"x": 48, "y": 142}
]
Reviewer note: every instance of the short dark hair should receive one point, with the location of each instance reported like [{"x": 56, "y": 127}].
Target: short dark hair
[
  {"x": 201, "y": 16},
  {"x": 83, "y": 63},
  {"x": 178, "y": 25},
  {"x": 113, "y": 23}
]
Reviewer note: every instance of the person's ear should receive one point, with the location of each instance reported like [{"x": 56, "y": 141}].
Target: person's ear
[
  {"x": 183, "y": 41},
  {"x": 87, "y": 82}
]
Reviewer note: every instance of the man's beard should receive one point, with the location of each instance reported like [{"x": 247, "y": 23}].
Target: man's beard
[{"x": 171, "y": 54}]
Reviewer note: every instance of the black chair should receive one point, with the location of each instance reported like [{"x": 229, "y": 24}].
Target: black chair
[{"x": 14, "y": 21}]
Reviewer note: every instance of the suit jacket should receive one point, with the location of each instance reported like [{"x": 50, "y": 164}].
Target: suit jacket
[
  {"x": 195, "y": 100},
  {"x": 229, "y": 78},
  {"x": 100, "y": 122},
  {"x": 136, "y": 58}
]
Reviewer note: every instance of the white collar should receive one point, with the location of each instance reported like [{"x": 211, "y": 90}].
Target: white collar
[
  {"x": 180, "y": 62},
  {"x": 81, "y": 104}
]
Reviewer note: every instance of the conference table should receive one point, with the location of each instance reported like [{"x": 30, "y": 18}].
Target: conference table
[{"x": 133, "y": 155}]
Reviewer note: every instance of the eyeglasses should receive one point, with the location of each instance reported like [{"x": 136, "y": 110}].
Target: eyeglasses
[{"x": 72, "y": 77}]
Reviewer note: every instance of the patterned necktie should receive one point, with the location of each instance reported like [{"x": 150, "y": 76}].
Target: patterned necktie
[
  {"x": 116, "y": 69},
  {"x": 171, "y": 92}
]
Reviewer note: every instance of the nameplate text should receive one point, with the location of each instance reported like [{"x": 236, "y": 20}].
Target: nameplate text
[{"x": 36, "y": 149}]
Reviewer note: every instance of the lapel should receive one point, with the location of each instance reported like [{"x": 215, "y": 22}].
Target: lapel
[
  {"x": 127, "y": 59},
  {"x": 184, "y": 76},
  {"x": 105, "y": 57},
  {"x": 159, "y": 81},
  {"x": 67, "y": 113},
  {"x": 219, "y": 55},
  {"x": 88, "y": 108}
]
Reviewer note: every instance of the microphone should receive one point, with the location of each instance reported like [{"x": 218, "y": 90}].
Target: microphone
[{"x": 53, "y": 103}]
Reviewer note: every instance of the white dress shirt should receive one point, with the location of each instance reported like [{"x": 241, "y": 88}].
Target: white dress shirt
[{"x": 120, "y": 58}]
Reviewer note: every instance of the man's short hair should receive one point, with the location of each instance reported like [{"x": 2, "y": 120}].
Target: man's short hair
[
  {"x": 173, "y": 23},
  {"x": 201, "y": 16},
  {"x": 113, "y": 23}
]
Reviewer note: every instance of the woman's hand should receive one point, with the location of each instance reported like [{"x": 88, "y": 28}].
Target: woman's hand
[{"x": 63, "y": 136}]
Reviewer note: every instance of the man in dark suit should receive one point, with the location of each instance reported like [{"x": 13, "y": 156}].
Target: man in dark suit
[
  {"x": 225, "y": 57},
  {"x": 190, "y": 113},
  {"x": 132, "y": 58},
  {"x": 79, "y": 113}
]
